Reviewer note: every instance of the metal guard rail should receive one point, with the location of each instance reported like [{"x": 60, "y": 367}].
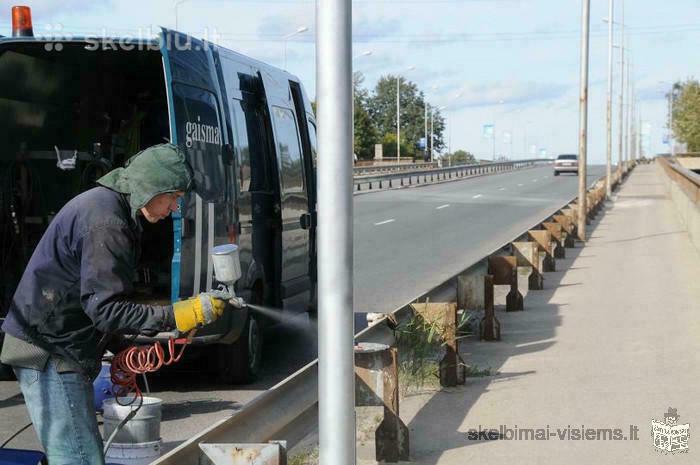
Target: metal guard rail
[
  {"x": 360, "y": 170},
  {"x": 292, "y": 404},
  {"x": 458, "y": 171}
]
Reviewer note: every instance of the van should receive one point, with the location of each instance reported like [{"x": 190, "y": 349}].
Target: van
[{"x": 73, "y": 109}]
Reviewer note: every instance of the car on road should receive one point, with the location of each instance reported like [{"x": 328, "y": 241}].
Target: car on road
[{"x": 566, "y": 163}]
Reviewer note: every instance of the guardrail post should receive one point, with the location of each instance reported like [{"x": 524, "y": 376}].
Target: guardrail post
[
  {"x": 556, "y": 230},
  {"x": 490, "y": 328},
  {"x": 505, "y": 271},
  {"x": 568, "y": 227},
  {"x": 544, "y": 242},
  {"x": 377, "y": 385},
  {"x": 470, "y": 287},
  {"x": 527, "y": 255},
  {"x": 443, "y": 317}
]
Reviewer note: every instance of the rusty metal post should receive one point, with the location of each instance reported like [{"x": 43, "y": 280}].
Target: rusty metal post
[
  {"x": 568, "y": 227},
  {"x": 555, "y": 229},
  {"x": 527, "y": 254},
  {"x": 583, "y": 117},
  {"x": 544, "y": 241},
  {"x": 273, "y": 453},
  {"x": 490, "y": 328},
  {"x": 505, "y": 271},
  {"x": 377, "y": 385}
]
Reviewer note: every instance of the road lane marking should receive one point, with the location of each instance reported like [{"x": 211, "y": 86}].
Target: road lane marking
[
  {"x": 384, "y": 222},
  {"x": 534, "y": 180},
  {"x": 502, "y": 189},
  {"x": 476, "y": 196},
  {"x": 442, "y": 206},
  {"x": 520, "y": 185}
]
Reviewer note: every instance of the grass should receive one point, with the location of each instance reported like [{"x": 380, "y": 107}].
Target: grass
[{"x": 306, "y": 457}]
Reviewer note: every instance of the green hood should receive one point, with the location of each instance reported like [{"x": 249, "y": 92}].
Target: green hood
[{"x": 155, "y": 170}]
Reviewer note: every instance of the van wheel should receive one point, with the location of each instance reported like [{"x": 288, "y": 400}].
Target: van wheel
[
  {"x": 240, "y": 362},
  {"x": 556, "y": 173}
]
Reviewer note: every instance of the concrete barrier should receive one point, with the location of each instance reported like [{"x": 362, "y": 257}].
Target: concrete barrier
[{"x": 683, "y": 187}]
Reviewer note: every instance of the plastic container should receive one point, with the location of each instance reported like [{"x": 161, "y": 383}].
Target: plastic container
[
  {"x": 227, "y": 264},
  {"x": 143, "y": 428},
  {"x": 133, "y": 454}
]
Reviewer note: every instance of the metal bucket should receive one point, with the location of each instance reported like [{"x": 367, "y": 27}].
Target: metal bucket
[
  {"x": 144, "y": 427},
  {"x": 141, "y": 453}
]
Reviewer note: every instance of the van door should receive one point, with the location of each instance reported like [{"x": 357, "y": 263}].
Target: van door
[
  {"x": 197, "y": 127},
  {"x": 294, "y": 197}
]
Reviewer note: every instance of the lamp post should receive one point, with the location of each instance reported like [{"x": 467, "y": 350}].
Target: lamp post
[
  {"x": 398, "y": 115},
  {"x": 583, "y": 120},
  {"x": 299, "y": 30},
  {"x": 432, "y": 121},
  {"x": 177, "y": 4},
  {"x": 608, "y": 118}
]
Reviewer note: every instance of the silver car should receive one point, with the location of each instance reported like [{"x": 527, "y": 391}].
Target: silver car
[{"x": 567, "y": 163}]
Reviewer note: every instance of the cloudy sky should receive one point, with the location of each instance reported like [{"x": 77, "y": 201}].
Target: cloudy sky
[{"x": 512, "y": 63}]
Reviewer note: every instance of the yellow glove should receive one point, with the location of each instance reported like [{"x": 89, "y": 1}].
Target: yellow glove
[{"x": 197, "y": 311}]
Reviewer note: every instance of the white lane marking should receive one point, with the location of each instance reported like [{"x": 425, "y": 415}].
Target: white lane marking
[
  {"x": 502, "y": 189},
  {"x": 534, "y": 180},
  {"x": 476, "y": 196},
  {"x": 520, "y": 185},
  {"x": 384, "y": 222},
  {"x": 442, "y": 206}
]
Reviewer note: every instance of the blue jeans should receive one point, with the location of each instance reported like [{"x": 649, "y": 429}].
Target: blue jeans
[{"x": 61, "y": 408}]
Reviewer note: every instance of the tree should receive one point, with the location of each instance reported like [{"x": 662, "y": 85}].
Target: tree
[
  {"x": 462, "y": 156},
  {"x": 366, "y": 134},
  {"x": 382, "y": 110},
  {"x": 686, "y": 113}
]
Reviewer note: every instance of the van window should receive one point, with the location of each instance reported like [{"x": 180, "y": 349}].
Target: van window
[
  {"x": 312, "y": 139},
  {"x": 250, "y": 146},
  {"x": 289, "y": 150}
]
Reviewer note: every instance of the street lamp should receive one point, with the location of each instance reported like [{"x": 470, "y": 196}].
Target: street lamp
[
  {"x": 398, "y": 115},
  {"x": 299, "y": 30},
  {"x": 177, "y": 4},
  {"x": 432, "y": 115}
]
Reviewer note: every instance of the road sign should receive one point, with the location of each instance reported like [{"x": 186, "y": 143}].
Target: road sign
[
  {"x": 421, "y": 143},
  {"x": 488, "y": 131}
]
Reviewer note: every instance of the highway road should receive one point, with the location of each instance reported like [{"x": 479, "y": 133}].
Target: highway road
[
  {"x": 406, "y": 241},
  {"x": 410, "y": 240}
]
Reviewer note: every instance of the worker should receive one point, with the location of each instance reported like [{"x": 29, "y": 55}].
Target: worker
[{"x": 75, "y": 291}]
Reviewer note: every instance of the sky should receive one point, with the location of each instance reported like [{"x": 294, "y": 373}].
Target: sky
[{"x": 515, "y": 64}]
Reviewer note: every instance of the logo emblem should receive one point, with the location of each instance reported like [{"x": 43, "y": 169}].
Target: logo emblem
[{"x": 669, "y": 437}]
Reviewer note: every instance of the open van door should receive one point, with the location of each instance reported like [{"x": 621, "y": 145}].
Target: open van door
[
  {"x": 197, "y": 127},
  {"x": 294, "y": 193}
]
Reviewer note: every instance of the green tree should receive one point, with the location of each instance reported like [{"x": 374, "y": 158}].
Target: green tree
[
  {"x": 462, "y": 156},
  {"x": 382, "y": 110},
  {"x": 366, "y": 134},
  {"x": 686, "y": 113}
]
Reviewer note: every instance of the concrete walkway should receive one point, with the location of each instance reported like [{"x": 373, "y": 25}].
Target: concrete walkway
[{"x": 612, "y": 341}]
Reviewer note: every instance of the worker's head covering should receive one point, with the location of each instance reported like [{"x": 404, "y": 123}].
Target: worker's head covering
[{"x": 155, "y": 170}]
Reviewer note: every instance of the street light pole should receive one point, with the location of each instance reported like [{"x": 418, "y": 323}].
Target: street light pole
[
  {"x": 583, "y": 121},
  {"x": 336, "y": 364},
  {"x": 425, "y": 122},
  {"x": 622, "y": 83},
  {"x": 398, "y": 115},
  {"x": 177, "y": 4},
  {"x": 608, "y": 168},
  {"x": 299, "y": 30}
]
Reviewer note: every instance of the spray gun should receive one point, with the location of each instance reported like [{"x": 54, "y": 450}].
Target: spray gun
[{"x": 227, "y": 269}]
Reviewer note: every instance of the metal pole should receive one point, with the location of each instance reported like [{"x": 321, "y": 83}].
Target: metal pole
[
  {"x": 622, "y": 84},
  {"x": 398, "y": 122},
  {"x": 583, "y": 120},
  {"x": 432, "y": 137},
  {"x": 336, "y": 389},
  {"x": 425, "y": 121},
  {"x": 493, "y": 136},
  {"x": 627, "y": 112},
  {"x": 672, "y": 138},
  {"x": 608, "y": 168}
]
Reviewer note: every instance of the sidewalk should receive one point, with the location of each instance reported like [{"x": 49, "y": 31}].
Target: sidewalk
[{"x": 612, "y": 341}]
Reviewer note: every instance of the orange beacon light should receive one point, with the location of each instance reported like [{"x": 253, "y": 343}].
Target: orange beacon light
[{"x": 22, "y": 22}]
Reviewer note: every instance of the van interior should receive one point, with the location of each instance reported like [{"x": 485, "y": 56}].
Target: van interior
[{"x": 70, "y": 115}]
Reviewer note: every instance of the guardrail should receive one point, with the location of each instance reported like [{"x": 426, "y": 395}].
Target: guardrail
[
  {"x": 289, "y": 410},
  {"x": 363, "y": 170},
  {"x": 440, "y": 174},
  {"x": 684, "y": 187}
]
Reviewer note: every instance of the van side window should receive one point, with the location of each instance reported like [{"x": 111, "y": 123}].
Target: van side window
[
  {"x": 250, "y": 146},
  {"x": 312, "y": 139},
  {"x": 289, "y": 150}
]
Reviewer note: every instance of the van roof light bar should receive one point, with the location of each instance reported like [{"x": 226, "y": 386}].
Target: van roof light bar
[{"x": 22, "y": 22}]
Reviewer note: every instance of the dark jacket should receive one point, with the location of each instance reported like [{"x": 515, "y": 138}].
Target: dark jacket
[{"x": 77, "y": 283}]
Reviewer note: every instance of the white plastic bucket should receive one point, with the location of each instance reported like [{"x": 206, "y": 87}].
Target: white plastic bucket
[
  {"x": 143, "y": 428},
  {"x": 141, "y": 453}
]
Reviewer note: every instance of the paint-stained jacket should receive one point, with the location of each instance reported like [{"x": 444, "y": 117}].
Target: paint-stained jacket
[{"x": 76, "y": 285}]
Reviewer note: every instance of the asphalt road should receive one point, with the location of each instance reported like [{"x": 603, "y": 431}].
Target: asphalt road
[
  {"x": 406, "y": 241},
  {"x": 410, "y": 240}
]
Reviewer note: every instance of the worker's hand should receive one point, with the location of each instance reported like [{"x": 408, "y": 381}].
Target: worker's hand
[{"x": 197, "y": 311}]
